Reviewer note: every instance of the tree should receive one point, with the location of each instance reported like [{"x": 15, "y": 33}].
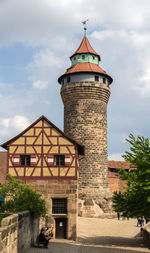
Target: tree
[
  {"x": 20, "y": 197},
  {"x": 135, "y": 201}
]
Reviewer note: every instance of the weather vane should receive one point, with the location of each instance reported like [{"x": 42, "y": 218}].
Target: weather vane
[{"x": 84, "y": 26}]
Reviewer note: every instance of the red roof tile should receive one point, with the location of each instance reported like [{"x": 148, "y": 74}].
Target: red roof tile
[
  {"x": 85, "y": 67},
  {"x": 85, "y": 47}
]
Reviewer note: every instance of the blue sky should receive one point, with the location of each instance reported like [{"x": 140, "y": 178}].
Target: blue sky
[{"x": 37, "y": 38}]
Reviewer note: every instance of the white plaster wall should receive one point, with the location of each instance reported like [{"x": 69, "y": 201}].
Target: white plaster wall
[{"x": 81, "y": 77}]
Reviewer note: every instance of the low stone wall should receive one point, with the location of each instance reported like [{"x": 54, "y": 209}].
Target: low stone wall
[
  {"x": 146, "y": 234},
  {"x": 18, "y": 232}
]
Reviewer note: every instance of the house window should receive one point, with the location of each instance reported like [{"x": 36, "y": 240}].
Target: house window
[
  {"x": 59, "y": 206},
  {"x": 104, "y": 80},
  {"x": 59, "y": 160},
  {"x": 96, "y": 78},
  {"x": 25, "y": 160},
  {"x": 83, "y": 57},
  {"x": 68, "y": 79}
]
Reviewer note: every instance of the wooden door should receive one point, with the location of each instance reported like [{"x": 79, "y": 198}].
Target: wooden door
[{"x": 61, "y": 228}]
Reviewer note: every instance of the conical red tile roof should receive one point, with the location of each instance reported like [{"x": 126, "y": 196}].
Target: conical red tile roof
[{"x": 85, "y": 47}]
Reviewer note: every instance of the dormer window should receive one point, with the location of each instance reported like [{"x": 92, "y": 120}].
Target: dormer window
[
  {"x": 68, "y": 79},
  {"x": 83, "y": 57},
  {"x": 96, "y": 78}
]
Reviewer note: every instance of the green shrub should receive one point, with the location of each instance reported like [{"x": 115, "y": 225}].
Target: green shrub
[{"x": 20, "y": 197}]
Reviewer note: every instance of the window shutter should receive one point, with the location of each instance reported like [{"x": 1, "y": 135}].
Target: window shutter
[
  {"x": 67, "y": 160},
  {"x": 50, "y": 160},
  {"x": 33, "y": 161},
  {"x": 16, "y": 160}
]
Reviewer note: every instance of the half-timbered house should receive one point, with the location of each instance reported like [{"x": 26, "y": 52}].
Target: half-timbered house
[{"x": 43, "y": 156}]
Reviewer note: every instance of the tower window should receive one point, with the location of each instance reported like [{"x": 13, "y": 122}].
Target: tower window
[
  {"x": 104, "y": 80},
  {"x": 83, "y": 57},
  {"x": 93, "y": 57},
  {"x": 68, "y": 79},
  {"x": 59, "y": 206},
  {"x": 59, "y": 160},
  {"x": 25, "y": 160},
  {"x": 74, "y": 58},
  {"x": 96, "y": 78}
]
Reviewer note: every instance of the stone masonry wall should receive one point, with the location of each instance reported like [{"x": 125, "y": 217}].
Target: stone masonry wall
[
  {"x": 60, "y": 189},
  {"x": 18, "y": 232},
  {"x": 3, "y": 167},
  {"x": 116, "y": 184},
  {"x": 85, "y": 121}
]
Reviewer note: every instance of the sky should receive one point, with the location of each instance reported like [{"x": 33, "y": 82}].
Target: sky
[{"x": 37, "y": 37}]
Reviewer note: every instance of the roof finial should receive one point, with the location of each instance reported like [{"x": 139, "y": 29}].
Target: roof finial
[{"x": 84, "y": 26}]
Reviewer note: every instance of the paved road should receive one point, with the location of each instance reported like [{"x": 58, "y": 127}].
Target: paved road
[{"x": 100, "y": 236}]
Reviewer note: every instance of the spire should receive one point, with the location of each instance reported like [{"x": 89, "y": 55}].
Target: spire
[
  {"x": 84, "y": 26},
  {"x": 85, "y": 47}
]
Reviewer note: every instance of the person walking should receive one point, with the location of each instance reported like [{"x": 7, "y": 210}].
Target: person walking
[
  {"x": 138, "y": 221},
  {"x": 142, "y": 221},
  {"x": 118, "y": 215}
]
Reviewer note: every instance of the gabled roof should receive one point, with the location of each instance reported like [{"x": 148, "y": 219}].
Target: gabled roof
[
  {"x": 5, "y": 145},
  {"x": 85, "y": 47},
  {"x": 85, "y": 67}
]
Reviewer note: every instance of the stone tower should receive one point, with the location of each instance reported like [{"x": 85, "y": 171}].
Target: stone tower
[{"x": 85, "y": 93}]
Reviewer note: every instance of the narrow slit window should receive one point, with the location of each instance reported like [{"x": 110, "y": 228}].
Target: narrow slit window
[
  {"x": 68, "y": 79},
  {"x": 96, "y": 78},
  {"x": 104, "y": 80}
]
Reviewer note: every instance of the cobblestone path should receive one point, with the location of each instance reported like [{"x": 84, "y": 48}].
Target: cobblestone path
[{"x": 100, "y": 236}]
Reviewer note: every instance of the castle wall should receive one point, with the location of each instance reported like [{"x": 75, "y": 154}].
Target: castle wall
[{"x": 18, "y": 232}]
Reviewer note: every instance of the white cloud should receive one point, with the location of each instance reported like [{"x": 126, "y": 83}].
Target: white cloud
[
  {"x": 43, "y": 67},
  {"x": 38, "y": 22},
  {"x": 115, "y": 157},
  {"x": 20, "y": 122},
  {"x": 40, "y": 84},
  {"x": 12, "y": 125},
  {"x": 142, "y": 84},
  {"x": 45, "y": 58},
  {"x": 5, "y": 122}
]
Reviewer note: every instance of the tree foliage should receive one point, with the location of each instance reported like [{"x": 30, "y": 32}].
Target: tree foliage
[
  {"x": 20, "y": 197},
  {"x": 135, "y": 201}
]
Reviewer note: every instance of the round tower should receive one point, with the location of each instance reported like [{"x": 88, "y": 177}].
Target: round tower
[{"x": 85, "y": 93}]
